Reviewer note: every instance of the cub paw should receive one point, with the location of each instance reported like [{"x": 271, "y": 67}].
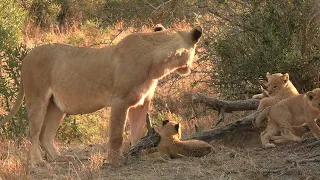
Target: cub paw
[{"x": 269, "y": 145}]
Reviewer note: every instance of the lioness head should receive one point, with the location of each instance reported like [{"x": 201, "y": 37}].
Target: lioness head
[
  {"x": 170, "y": 129},
  {"x": 314, "y": 99},
  {"x": 191, "y": 38},
  {"x": 276, "y": 82}
]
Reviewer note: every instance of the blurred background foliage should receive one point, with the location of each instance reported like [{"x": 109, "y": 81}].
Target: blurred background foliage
[{"x": 243, "y": 39}]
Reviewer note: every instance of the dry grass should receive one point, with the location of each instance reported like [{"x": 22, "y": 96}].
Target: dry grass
[{"x": 237, "y": 157}]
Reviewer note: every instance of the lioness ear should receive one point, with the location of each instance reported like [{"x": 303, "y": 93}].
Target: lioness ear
[
  {"x": 310, "y": 95},
  {"x": 268, "y": 75},
  {"x": 177, "y": 126},
  {"x": 158, "y": 27},
  {"x": 285, "y": 77},
  {"x": 196, "y": 34},
  {"x": 165, "y": 122}
]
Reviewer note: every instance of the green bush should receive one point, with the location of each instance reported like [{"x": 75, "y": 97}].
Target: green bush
[
  {"x": 11, "y": 20},
  {"x": 266, "y": 36},
  {"x": 11, "y": 60}
]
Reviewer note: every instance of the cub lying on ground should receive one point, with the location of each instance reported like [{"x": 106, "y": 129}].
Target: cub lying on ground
[
  {"x": 293, "y": 111},
  {"x": 171, "y": 146},
  {"x": 278, "y": 87}
]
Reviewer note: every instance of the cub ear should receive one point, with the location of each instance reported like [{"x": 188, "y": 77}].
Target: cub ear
[
  {"x": 165, "y": 122},
  {"x": 285, "y": 77},
  {"x": 196, "y": 34},
  {"x": 268, "y": 75},
  {"x": 177, "y": 126},
  {"x": 158, "y": 27},
  {"x": 310, "y": 95}
]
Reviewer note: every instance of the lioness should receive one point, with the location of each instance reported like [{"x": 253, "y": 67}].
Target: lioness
[
  {"x": 293, "y": 111},
  {"x": 278, "y": 87},
  {"x": 59, "y": 79},
  {"x": 170, "y": 145}
]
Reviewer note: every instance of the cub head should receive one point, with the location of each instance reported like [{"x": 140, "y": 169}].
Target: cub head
[
  {"x": 276, "y": 82},
  {"x": 170, "y": 129},
  {"x": 158, "y": 27},
  {"x": 314, "y": 99}
]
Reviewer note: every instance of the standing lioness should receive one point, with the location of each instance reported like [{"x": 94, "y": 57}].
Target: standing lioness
[{"x": 59, "y": 79}]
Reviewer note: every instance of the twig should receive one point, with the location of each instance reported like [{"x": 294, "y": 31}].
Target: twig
[
  {"x": 304, "y": 160},
  {"x": 195, "y": 117},
  {"x": 316, "y": 143},
  {"x": 221, "y": 115},
  {"x": 156, "y": 8}
]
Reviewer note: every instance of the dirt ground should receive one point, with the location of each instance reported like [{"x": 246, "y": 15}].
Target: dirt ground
[{"x": 238, "y": 156}]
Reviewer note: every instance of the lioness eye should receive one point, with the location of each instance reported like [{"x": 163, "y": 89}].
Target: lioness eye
[{"x": 275, "y": 86}]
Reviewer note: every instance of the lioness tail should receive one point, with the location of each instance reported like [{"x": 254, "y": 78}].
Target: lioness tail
[{"x": 16, "y": 105}]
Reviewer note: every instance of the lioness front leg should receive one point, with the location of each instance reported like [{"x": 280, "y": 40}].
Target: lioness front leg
[
  {"x": 137, "y": 120},
  {"x": 118, "y": 118},
  {"x": 50, "y": 127}
]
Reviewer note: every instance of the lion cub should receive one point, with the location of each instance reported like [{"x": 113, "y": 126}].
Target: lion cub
[
  {"x": 278, "y": 87},
  {"x": 293, "y": 111},
  {"x": 171, "y": 146}
]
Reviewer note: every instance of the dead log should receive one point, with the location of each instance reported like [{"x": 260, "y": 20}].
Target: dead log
[
  {"x": 242, "y": 124},
  {"x": 223, "y": 106}
]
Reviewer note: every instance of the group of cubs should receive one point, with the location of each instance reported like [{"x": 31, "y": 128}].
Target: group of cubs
[{"x": 59, "y": 79}]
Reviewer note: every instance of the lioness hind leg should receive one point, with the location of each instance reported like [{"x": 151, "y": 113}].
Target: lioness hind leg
[
  {"x": 51, "y": 124},
  {"x": 267, "y": 134},
  {"x": 36, "y": 113}
]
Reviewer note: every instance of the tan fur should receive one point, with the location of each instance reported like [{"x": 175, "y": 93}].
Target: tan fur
[
  {"x": 59, "y": 79},
  {"x": 263, "y": 85},
  {"x": 278, "y": 87},
  {"x": 293, "y": 111},
  {"x": 296, "y": 130},
  {"x": 171, "y": 146}
]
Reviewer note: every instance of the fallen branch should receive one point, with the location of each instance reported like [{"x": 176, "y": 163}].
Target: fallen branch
[
  {"x": 225, "y": 106},
  {"x": 228, "y": 106},
  {"x": 242, "y": 124}
]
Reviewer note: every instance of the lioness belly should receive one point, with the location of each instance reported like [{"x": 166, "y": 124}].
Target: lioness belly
[{"x": 79, "y": 104}]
